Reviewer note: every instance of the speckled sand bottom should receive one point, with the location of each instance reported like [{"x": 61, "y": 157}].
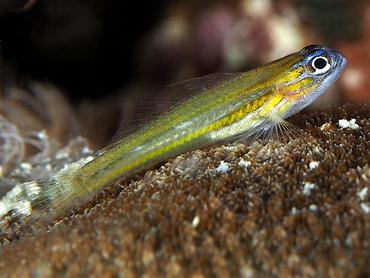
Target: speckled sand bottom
[{"x": 296, "y": 208}]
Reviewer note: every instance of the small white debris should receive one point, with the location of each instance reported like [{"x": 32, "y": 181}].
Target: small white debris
[
  {"x": 348, "y": 124},
  {"x": 313, "y": 165},
  {"x": 196, "y": 221},
  {"x": 313, "y": 207},
  {"x": 294, "y": 211},
  {"x": 223, "y": 167},
  {"x": 325, "y": 126},
  {"x": 42, "y": 135},
  {"x": 82, "y": 161},
  {"x": 86, "y": 150},
  {"x": 307, "y": 188},
  {"x": 247, "y": 272},
  {"x": 362, "y": 194},
  {"x": 318, "y": 150},
  {"x": 26, "y": 166},
  {"x": 365, "y": 207},
  {"x": 353, "y": 124},
  {"x": 230, "y": 148},
  {"x": 343, "y": 123},
  {"x": 61, "y": 155},
  {"x": 244, "y": 163}
]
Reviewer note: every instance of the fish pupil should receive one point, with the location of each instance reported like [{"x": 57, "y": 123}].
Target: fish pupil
[{"x": 320, "y": 63}]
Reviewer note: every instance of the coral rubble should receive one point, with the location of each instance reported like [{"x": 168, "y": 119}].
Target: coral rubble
[{"x": 299, "y": 207}]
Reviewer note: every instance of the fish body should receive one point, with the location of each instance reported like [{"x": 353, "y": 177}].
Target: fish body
[{"x": 225, "y": 106}]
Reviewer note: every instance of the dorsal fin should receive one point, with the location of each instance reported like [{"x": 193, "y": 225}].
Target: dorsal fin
[
  {"x": 142, "y": 112},
  {"x": 207, "y": 82},
  {"x": 147, "y": 110}
]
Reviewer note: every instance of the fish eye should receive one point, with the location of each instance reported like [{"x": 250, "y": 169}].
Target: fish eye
[{"x": 319, "y": 65}]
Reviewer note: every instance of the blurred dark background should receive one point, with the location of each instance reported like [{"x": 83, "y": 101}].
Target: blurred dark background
[{"x": 85, "y": 46}]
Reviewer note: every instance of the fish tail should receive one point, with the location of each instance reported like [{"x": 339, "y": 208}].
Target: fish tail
[{"x": 43, "y": 201}]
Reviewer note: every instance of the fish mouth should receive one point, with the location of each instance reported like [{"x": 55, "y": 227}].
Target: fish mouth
[{"x": 341, "y": 60}]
